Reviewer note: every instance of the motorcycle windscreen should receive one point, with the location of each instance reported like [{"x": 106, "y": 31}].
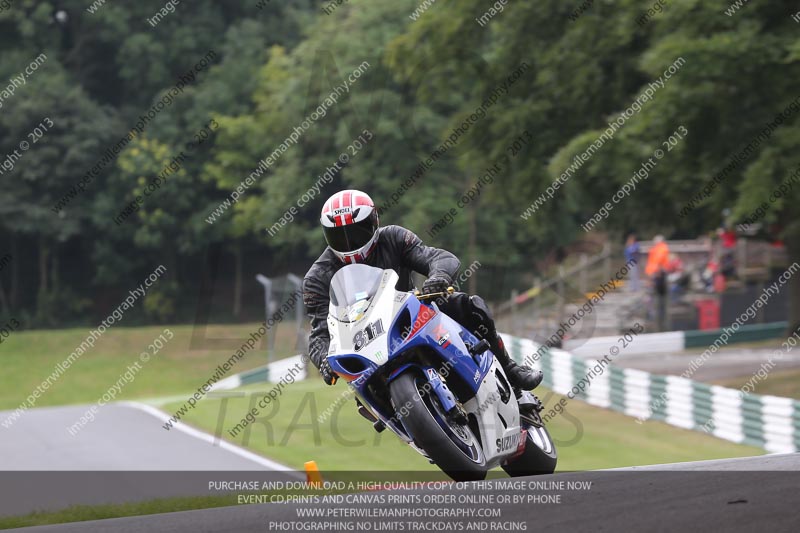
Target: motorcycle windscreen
[{"x": 352, "y": 289}]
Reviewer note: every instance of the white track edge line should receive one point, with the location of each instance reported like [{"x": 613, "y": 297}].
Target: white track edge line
[
  {"x": 237, "y": 450},
  {"x": 690, "y": 463}
]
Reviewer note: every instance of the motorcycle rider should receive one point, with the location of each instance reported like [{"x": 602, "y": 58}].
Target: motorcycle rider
[{"x": 350, "y": 224}]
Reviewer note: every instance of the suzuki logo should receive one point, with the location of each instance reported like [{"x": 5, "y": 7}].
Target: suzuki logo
[{"x": 507, "y": 443}]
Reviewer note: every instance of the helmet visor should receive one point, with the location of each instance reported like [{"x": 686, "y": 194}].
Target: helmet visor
[{"x": 351, "y": 237}]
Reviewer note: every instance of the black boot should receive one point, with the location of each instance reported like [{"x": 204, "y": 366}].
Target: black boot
[{"x": 521, "y": 377}]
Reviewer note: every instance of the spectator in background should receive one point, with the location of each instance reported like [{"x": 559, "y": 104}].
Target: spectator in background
[
  {"x": 656, "y": 270},
  {"x": 632, "y": 253},
  {"x": 709, "y": 272},
  {"x": 727, "y": 236},
  {"x": 675, "y": 276},
  {"x": 657, "y": 258}
]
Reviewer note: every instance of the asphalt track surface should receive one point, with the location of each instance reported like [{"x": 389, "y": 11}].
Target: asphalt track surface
[
  {"x": 124, "y": 437},
  {"x": 734, "y": 495}
]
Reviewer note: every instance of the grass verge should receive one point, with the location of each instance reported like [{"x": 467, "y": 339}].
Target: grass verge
[
  {"x": 785, "y": 383},
  {"x": 81, "y": 513},
  {"x": 30, "y": 357},
  {"x": 293, "y": 430}
]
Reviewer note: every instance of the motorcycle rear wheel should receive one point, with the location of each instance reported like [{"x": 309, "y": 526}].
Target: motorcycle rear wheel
[{"x": 540, "y": 455}]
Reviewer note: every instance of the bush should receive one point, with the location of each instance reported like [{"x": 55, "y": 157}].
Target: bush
[{"x": 159, "y": 303}]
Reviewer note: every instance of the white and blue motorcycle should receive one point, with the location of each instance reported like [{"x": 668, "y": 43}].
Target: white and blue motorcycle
[{"x": 418, "y": 372}]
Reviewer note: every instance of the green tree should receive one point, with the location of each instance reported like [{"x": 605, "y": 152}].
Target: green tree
[{"x": 64, "y": 131}]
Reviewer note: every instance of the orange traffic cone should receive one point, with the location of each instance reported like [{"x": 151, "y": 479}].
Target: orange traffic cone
[{"x": 313, "y": 475}]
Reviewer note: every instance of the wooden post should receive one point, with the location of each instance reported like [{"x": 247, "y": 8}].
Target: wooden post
[
  {"x": 583, "y": 283},
  {"x": 741, "y": 247},
  {"x": 514, "y": 327},
  {"x": 769, "y": 261},
  {"x": 560, "y": 289}
]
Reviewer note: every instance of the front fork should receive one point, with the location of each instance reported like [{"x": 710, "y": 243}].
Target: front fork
[{"x": 447, "y": 399}]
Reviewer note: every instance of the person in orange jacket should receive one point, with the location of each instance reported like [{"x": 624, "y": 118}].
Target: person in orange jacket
[
  {"x": 658, "y": 257},
  {"x": 656, "y": 270}
]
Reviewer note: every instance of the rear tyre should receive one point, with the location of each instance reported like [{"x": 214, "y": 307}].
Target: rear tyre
[
  {"x": 452, "y": 446},
  {"x": 540, "y": 456}
]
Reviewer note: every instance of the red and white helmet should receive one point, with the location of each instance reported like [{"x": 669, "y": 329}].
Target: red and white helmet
[{"x": 350, "y": 223}]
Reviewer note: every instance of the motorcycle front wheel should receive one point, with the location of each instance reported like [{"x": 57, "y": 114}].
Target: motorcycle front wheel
[{"x": 452, "y": 446}]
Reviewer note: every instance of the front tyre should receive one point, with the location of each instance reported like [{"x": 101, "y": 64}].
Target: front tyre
[{"x": 452, "y": 446}]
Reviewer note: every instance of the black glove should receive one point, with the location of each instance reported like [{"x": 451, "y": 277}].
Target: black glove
[
  {"x": 435, "y": 284},
  {"x": 327, "y": 373}
]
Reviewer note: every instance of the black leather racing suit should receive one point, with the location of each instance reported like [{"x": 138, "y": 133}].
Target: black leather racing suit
[{"x": 401, "y": 250}]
